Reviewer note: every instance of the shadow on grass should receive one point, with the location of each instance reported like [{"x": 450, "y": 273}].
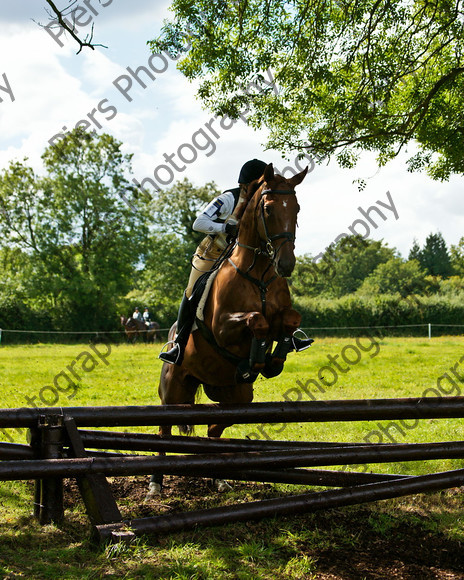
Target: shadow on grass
[{"x": 410, "y": 538}]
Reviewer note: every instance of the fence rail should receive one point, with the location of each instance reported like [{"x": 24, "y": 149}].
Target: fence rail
[
  {"x": 104, "y": 334},
  {"x": 59, "y": 449},
  {"x": 204, "y": 414}
]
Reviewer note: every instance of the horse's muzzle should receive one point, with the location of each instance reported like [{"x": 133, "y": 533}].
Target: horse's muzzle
[{"x": 284, "y": 266}]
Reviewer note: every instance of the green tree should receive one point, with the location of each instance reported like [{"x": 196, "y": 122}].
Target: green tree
[
  {"x": 457, "y": 257},
  {"x": 434, "y": 256},
  {"x": 415, "y": 251},
  {"x": 342, "y": 269},
  {"x": 349, "y": 76},
  {"x": 15, "y": 266},
  {"x": 395, "y": 276},
  {"x": 83, "y": 242},
  {"x": 166, "y": 267},
  {"x": 174, "y": 209},
  {"x": 162, "y": 281}
]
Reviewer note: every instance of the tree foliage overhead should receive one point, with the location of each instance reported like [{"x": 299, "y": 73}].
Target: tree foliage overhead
[{"x": 352, "y": 75}]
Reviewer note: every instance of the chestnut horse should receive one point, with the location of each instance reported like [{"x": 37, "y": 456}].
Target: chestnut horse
[
  {"x": 134, "y": 328},
  {"x": 247, "y": 309}
]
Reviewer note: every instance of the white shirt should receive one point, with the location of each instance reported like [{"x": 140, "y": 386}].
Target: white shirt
[{"x": 220, "y": 208}]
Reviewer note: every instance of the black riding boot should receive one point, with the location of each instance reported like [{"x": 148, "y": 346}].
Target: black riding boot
[
  {"x": 300, "y": 344},
  {"x": 185, "y": 318}
]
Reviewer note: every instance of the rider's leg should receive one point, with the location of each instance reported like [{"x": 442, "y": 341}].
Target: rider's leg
[
  {"x": 203, "y": 260},
  {"x": 184, "y": 325}
]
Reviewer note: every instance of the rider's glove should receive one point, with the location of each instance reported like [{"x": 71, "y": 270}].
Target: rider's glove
[{"x": 231, "y": 230}]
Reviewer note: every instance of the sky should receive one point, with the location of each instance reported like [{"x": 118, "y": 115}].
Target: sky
[{"x": 45, "y": 86}]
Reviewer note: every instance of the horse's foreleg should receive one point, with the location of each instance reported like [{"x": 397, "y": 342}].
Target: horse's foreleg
[
  {"x": 259, "y": 343},
  {"x": 236, "y": 329},
  {"x": 156, "y": 480}
]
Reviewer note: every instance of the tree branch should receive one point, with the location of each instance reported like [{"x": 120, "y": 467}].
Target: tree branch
[{"x": 62, "y": 22}]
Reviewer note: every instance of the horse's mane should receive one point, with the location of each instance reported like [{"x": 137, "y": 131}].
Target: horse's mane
[{"x": 253, "y": 187}]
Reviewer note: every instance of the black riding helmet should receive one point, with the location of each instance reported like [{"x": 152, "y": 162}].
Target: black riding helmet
[{"x": 251, "y": 170}]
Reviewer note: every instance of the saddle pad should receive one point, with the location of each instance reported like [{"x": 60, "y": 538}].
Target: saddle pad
[{"x": 204, "y": 296}]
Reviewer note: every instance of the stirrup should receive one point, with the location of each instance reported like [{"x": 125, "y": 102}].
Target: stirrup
[
  {"x": 171, "y": 356},
  {"x": 300, "y": 344}
]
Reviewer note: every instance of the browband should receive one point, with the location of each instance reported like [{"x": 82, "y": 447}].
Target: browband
[{"x": 281, "y": 191}]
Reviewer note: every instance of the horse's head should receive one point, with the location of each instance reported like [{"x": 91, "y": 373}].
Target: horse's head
[
  {"x": 276, "y": 214},
  {"x": 128, "y": 323}
]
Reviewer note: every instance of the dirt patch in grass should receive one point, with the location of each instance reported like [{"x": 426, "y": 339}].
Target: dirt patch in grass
[{"x": 398, "y": 539}]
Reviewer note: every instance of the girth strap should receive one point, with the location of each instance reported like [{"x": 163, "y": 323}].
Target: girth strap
[{"x": 209, "y": 337}]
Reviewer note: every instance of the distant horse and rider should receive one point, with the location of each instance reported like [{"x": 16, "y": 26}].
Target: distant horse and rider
[
  {"x": 140, "y": 325},
  {"x": 246, "y": 324}
]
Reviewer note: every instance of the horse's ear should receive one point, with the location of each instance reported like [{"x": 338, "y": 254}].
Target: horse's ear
[
  {"x": 269, "y": 173},
  {"x": 298, "y": 178}
]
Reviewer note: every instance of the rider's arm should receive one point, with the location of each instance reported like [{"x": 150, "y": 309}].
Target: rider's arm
[{"x": 220, "y": 208}]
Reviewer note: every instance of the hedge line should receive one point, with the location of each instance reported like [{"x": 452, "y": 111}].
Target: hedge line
[
  {"x": 348, "y": 311},
  {"x": 383, "y": 310}
]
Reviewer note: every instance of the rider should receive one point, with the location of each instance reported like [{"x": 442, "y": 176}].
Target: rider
[
  {"x": 217, "y": 220},
  {"x": 137, "y": 314},
  {"x": 146, "y": 316}
]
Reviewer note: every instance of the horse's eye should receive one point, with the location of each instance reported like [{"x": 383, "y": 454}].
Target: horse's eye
[{"x": 268, "y": 210}]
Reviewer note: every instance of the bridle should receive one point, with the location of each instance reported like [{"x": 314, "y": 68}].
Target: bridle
[
  {"x": 287, "y": 236},
  {"x": 266, "y": 249}
]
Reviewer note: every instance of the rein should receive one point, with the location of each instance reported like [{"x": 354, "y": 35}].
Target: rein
[{"x": 268, "y": 250}]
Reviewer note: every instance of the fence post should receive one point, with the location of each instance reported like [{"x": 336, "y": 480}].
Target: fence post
[
  {"x": 430, "y": 331},
  {"x": 51, "y": 507}
]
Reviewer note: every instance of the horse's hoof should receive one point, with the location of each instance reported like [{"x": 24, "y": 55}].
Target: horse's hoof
[
  {"x": 222, "y": 485},
  {"x": 154, "y": 489},
  {"x": 186, "y": 429}
]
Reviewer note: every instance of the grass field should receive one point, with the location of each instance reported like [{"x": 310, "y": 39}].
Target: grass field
[{"x": 313, "y": 546}]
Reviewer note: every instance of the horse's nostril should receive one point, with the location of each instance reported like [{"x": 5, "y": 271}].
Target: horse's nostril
[{"x": 285, "y": 267}]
